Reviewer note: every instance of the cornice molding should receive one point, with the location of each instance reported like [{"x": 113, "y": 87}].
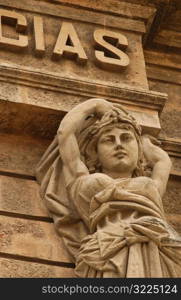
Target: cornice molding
[
  {"x": 77, "y": 14},
  {"x": 49, "y": 81},
  {"x": 112, "y": 7}
]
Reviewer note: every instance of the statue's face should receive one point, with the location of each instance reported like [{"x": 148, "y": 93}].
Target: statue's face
[{"x": 117, "y": 150}]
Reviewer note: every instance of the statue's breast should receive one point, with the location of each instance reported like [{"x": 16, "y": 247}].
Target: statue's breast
[{"x": 85, "y": 188}]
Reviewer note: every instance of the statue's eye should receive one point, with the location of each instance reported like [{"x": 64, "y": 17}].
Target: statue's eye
[
  {"x": 107, "y": 139},
  {"x": 126, "y": 137}
]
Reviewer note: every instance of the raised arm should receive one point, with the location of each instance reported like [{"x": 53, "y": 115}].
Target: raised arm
[
  {"x": 159, "y": 161},
  {"x": 69, "y": 127}
]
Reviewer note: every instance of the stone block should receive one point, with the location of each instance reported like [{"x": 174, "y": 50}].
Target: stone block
[
  {"x": 169, "y": 82},
  {"x": 12, "y": 268},
  {"x": 33, "y": 239},
  {"x": 171, "y": 200},
  {"x": 21, "y": 196},
  {"x": 20, "y": 154}
]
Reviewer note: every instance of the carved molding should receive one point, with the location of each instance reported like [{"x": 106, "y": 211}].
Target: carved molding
[{"x": 49, "y": 81}]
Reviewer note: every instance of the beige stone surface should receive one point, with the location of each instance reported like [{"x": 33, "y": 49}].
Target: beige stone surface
[
  {"x": 171, "y": 115},
  {"x": 175, "y": 221},
  {"x": 20, "y": 154},
  {"x": 171, "y": 200},
  {"x": 12, "y": 268},
  {"x": 21, "y": 196},
  {"x": 30, "y": 238}
]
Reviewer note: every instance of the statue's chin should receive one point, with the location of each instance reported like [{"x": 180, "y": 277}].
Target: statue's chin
[{"x": 123, "y": 166}]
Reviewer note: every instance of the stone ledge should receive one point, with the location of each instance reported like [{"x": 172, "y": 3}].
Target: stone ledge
[
  {"x": 172, "y": 61},
  {"x": 164, "y": 74},
  {"x": 73, "y": 13},
  {"x": 175, "y": 174},
  {"x": 170, "y": 38},
  {"x": 172, "y": 146}
]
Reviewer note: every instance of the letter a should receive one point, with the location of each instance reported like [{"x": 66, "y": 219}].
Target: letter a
[{"x": 68, "y": 44}]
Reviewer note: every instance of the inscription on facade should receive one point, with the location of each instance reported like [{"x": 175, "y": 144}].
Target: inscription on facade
[{"x": 109, "y": 46}]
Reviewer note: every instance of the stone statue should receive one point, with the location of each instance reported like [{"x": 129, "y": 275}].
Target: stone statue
[{"x": 108, "y": 211}]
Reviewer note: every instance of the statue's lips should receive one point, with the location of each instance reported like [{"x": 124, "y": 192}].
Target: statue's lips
[{"x": 120, "y": 154}]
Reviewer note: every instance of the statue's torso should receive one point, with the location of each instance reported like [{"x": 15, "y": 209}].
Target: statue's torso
[{"x": 98, "y": 196}]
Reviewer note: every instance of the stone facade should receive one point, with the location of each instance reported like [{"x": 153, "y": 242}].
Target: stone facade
[{"x": 38, "y": 88}]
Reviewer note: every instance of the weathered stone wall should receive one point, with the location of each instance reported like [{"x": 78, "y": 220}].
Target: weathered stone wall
[{"x": 163, "y": 70}]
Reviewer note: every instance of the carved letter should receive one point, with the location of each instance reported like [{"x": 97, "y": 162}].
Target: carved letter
[
  {"x": 18, "y": 20},
  {"x": 68, "y": 44},
  {"x": 108, "y": 56},
  {"x": 39, "y": 36}
]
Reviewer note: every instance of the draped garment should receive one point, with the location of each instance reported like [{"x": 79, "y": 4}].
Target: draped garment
[{"x": 128, "y": 234}]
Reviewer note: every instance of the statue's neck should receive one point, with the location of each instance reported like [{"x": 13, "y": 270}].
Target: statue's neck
[{"x": 114, "y": 174}]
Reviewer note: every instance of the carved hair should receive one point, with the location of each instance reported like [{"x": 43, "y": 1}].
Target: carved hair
[{"x": 89, "y": 136}]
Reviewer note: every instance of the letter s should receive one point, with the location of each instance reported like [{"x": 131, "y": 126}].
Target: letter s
[
  {"x": 115, "y": 58},
  {"x": 44, "y": 289}
]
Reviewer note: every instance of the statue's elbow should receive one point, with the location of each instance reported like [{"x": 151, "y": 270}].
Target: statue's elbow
[
  {"x": 168, "y": 162},
  {"x": 61, "y": 136}
]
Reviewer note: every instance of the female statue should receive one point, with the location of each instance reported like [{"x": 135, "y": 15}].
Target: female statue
[{"x": 106, "y": 209}]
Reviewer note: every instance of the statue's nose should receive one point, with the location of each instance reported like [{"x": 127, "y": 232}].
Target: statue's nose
[
  {"x": 118, "y": 146},
  {"x": 118, "y": 143}
]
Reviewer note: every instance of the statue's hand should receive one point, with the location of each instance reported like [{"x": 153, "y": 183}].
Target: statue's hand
[
  {"x": 151, "y": 151},
  {"x": 103, "y": 106}
]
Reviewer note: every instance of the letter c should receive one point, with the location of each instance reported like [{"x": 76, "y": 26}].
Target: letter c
[{"x": 18, "y": 20}]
